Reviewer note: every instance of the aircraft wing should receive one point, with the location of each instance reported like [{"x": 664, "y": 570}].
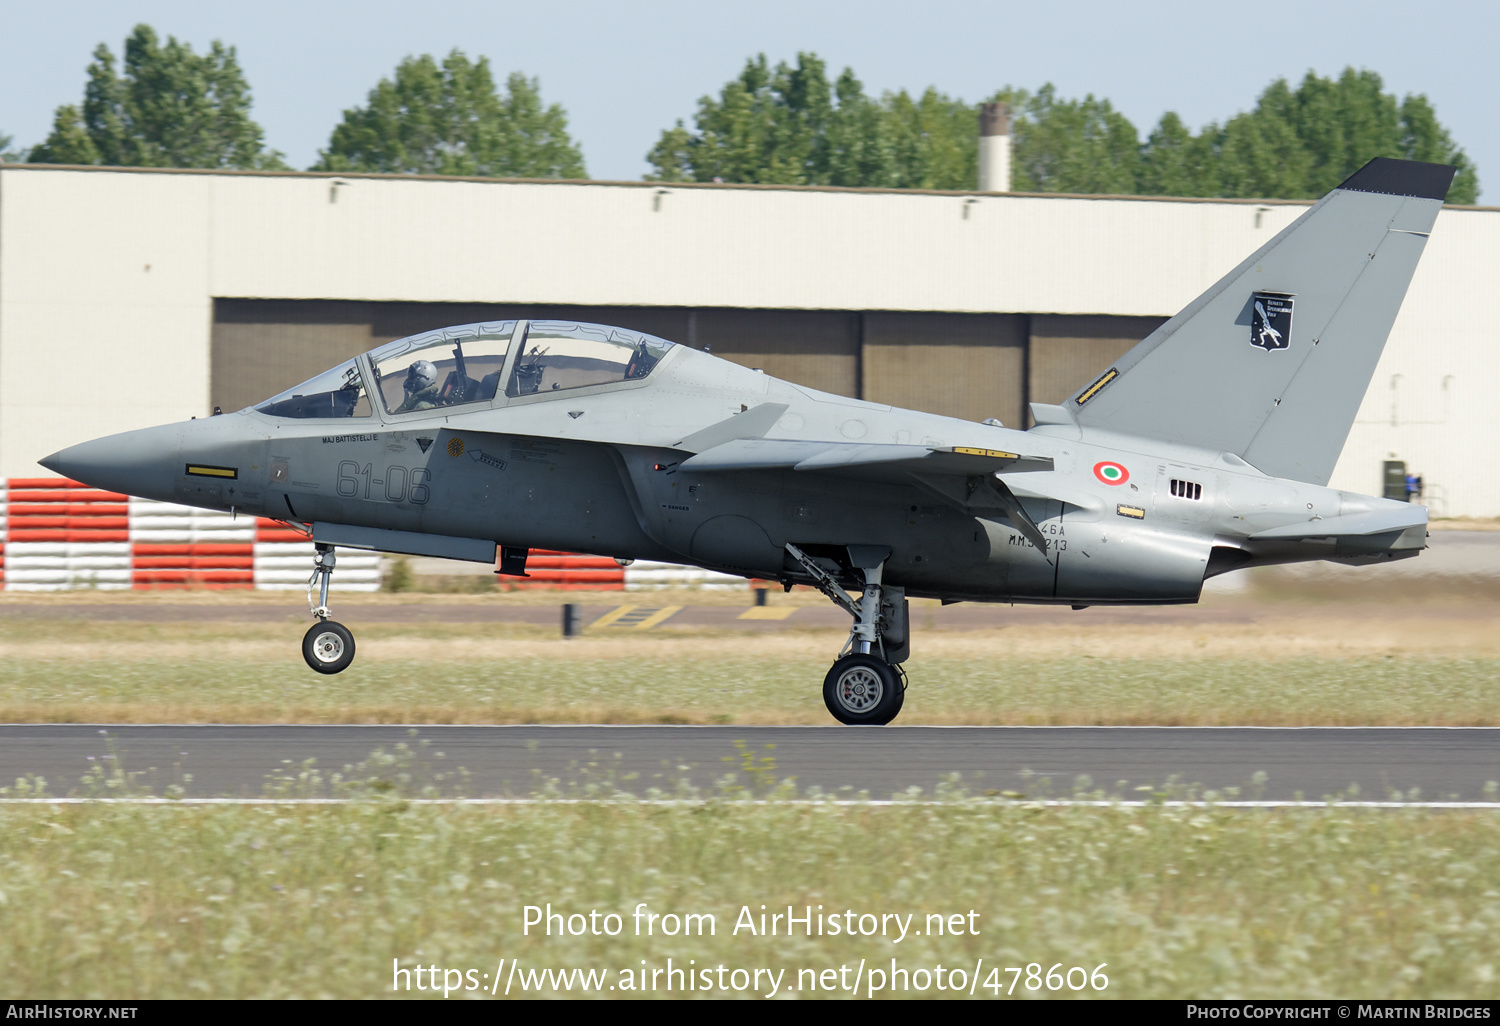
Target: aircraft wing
[
  {"x": 871, "y": 461},
  {"x": 963, "y": 476},
  {"x": 1380, "y": 521}
]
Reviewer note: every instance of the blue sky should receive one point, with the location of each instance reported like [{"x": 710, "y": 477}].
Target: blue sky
[{"x": 625, "y": 71}]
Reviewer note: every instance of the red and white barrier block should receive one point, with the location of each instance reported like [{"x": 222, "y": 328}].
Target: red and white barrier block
[
  {"x": 175, "y": 546},
  {"x": 647, "y": 576},
  {"x": 57, "y": 534},
  {"x": 283, "y": 560},
  {"x": 568, "y": 571},
  {"x": 60, "y": 534}
]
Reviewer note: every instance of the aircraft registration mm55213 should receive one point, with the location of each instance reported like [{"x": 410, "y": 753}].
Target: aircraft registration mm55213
[{"x": 1206, "y": 448}]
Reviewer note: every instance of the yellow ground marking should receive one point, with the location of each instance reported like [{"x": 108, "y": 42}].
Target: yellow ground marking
[
  {"x": 635, "y": 617},
  {"x": 767, "y": 613},
  {"x": 657, "y": 616},
  {"x": 609, "y": 618}
]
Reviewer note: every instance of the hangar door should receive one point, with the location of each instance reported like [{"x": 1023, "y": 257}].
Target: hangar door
[
  {"x": 263, "y": 346},
  {"x": 960, "y": 365},
  {"x": 1069, "y": 351}
]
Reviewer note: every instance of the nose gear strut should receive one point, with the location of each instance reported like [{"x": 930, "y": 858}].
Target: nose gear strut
[
  {"x": 866, "y": 684},
  {"x": 328, "y": 646}
]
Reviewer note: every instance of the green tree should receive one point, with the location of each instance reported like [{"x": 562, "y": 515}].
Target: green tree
[
  {"x": 1423, "y": 138},
  {"x": 449, "y": 119},
  {"x": 767, "y": 125},
  {"x": 1174, "y": 162},
  {"x": 1299, "y": 143},
  {"x": 168, "y": 108},
  {"x": 789, "y": 125},
  {"x": 8, "y": 155},
  {"x": 1072, "y": 145},
  {"x": 861, "y": 146},
  {"x": 935, "y": 141}
]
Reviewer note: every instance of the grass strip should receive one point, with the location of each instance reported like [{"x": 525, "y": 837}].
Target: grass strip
[
  {"x": 131, "y": 902},
  {"x": 667, "y": 686}
]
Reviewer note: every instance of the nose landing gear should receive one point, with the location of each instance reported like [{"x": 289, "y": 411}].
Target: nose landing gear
[
  {"x": 865, "y": 685},
  {"x": 328, "y": 646}
]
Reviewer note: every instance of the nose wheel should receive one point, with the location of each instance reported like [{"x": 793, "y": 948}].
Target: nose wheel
[{"x": 328, "y": 646}]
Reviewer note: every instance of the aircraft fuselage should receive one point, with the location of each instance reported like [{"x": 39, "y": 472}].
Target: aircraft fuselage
[{"x": 601, "y": 470}]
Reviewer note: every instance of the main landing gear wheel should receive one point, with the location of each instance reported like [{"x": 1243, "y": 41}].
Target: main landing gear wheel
[
  {"x": 328, "y": 647},
  {"x": 863, "y": 689},
  {"x": 866, "y": 686}
]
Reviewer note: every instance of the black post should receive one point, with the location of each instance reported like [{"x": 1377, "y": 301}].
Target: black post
[
  {"x": 1395, "y": 480},
  {"x": 760, "y": 596},
  {"x": 569, "y": 620}
]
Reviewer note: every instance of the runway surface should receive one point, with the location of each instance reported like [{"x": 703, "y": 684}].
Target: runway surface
[{"x": 235, "y": 761}]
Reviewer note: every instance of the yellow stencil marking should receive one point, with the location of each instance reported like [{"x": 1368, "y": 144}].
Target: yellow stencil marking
[
  {"x": 987, "y": 452},
  {"x": 200, "y": 471},
  {"x": 768, "y": 612},
  {"x": 1093, "y": 389}
]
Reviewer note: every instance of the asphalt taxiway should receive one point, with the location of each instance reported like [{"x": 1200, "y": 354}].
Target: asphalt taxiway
[{"x": 1429, "y": 763}]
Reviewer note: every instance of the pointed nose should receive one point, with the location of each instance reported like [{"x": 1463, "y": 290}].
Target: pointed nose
[{"x": 145, "y": 462}]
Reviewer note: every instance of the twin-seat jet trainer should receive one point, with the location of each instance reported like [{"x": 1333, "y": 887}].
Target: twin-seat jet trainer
[{"x": 1205, "y": 449}]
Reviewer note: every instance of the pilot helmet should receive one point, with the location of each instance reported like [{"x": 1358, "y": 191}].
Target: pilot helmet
[{"x": 421, "y": 374}]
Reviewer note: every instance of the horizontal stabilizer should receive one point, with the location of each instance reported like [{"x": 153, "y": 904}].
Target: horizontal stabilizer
[
  {"x": 1380, "y": 521},
  {"x": 883, "y": 462}
]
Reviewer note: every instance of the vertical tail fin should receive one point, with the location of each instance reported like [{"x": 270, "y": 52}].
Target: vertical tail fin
[{"x": 1271, "y": 364}]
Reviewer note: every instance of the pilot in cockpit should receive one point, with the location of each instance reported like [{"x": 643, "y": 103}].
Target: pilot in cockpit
[{"x": 421, "y": 387}]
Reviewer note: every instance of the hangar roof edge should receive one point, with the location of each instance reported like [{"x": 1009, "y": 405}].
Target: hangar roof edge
[{"x": 641, "y": 184}]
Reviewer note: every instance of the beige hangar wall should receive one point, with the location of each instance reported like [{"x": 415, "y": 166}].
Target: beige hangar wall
[{"x": 107, "y": 282}]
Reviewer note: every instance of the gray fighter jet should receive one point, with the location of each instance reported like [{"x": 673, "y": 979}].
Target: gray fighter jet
[{"x": 1203, "y": 450}]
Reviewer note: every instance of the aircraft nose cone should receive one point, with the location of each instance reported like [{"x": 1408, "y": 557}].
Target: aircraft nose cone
[{"x": 144, "y": 463}]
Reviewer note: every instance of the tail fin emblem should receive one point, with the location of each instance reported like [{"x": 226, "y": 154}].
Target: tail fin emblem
[{"x": 1271, "y": 323}]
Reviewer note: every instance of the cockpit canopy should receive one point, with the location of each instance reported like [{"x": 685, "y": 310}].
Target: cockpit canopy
[
  {"x": 561, "y": 354},
  {"x": 338, "y": 392},
  {"x": 464, "y": 365},
  {"x": 450, "y": 367}
]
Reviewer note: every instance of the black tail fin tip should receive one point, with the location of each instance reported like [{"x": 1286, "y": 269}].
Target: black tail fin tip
[{"x": 1394, "y": 177}]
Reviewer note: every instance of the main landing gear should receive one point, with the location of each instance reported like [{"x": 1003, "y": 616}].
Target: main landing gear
[
  {"x": 328, "y": 646},
  {"x": 866, "y": 685}
]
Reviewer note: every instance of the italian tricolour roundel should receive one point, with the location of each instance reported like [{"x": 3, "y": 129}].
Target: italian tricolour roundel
[{"x": 1111, "y": 473}]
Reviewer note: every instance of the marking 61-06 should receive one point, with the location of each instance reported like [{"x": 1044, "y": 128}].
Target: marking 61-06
[{"x": 398, "y": 485}]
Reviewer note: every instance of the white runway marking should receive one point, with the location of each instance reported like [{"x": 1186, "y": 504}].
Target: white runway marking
[{"x": 972, "y": 803}]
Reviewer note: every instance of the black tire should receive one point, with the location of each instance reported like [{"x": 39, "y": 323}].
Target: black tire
[
  {"x": 328, "y": 647},
  {"x": 863, "y": 690}
]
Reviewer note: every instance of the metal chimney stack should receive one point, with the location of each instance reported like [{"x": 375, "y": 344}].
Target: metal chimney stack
[{"x": 994, "y": 147}]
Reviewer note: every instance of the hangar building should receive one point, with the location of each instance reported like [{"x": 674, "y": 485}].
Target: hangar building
[{"x": 131, "y": 297}]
